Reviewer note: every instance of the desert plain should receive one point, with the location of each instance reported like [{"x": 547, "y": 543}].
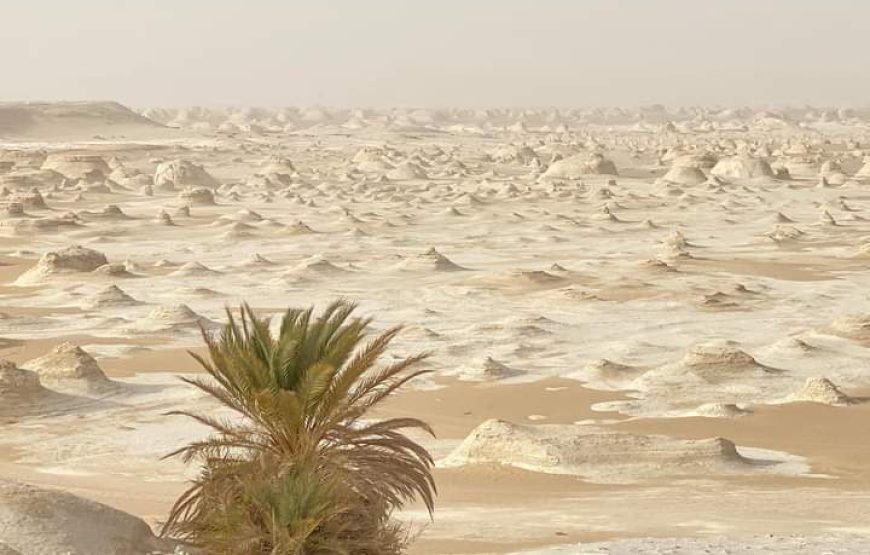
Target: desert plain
[{"x": 649, "y": 327}]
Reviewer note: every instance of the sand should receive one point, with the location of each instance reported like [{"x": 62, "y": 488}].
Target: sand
[
  {"x": 832, "y": 544},
  {"x": 634, "y": 332}
]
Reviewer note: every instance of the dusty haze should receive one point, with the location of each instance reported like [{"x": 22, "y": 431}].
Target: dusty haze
[{"x": 388, "y": 53}]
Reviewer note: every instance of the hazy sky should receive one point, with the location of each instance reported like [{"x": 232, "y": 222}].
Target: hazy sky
[{"x": 437, "y": 52}]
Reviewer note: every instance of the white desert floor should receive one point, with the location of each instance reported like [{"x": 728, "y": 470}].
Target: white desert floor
[{"x": 615, "y": 356}]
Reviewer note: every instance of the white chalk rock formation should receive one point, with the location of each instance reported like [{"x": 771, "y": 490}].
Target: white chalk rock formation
[
  {"x": 77, "y": 166},
  {"x": 277, "y": 165},
  {"x": 202, "y": 196},
  {"x": 18, "y": 385},
  {"x": 720, "y": 410},
  {"x": 595, "y": 453},
  {"x": 299, "y": 228},
  {"x": 580, "y": 165},
  {"x": 607, "y": 374},
  {"x": 194, "y": 269},
  {"x": 32, "y": 200},
  {"x": 182, "y": 173},
  {"x": 820, "y": 390},
  {"x": 71, "y": 260},
  {"x": 406, "y": 171},
  {"x": 68, "y": 367},
  {"x": 864, "y": 171},
  {"x": 109, "y": 212},
  {"x": 684, "y": 175},
  {"x": 170, "y": 318},
  {"x": 313, "y": 267},
  {"x": 855, "y": 327},
  {"x": 705, "y": 367},
  {"x": 37, "y": 521},
  {"x": 785, "y": 234},
  {"x": 742, "y": 167},
  {"x": 718, "y": 360},
  {"x": 487, "y": 370},
  {"x": 111, "y": 296},
  {"x": 429, "y": 261}
]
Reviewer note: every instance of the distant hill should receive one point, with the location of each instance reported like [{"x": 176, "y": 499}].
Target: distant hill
[{"x": 52, "y": 121}]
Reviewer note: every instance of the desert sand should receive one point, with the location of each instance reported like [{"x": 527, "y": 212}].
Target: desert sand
[{"x": 649, "y": 328}]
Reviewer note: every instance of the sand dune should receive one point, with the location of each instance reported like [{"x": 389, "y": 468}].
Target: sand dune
[{"x": 75, "y": 120}]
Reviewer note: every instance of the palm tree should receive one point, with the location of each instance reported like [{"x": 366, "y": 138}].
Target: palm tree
[{"x": 301, "y": 471}]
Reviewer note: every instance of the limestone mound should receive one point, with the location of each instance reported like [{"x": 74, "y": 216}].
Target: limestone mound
[
  {"x": 742, "y": 167},
  {"x": 820, "y": 390},
  {"x": 314, "y": 267},
  {"x": 17, "y": 383},
  {"x": 488, "y": 370},
  {"x": 864, "y": 171},
  {"x": 685, "y": 175},
  {"x": 594, "y": 453},
  {"x": 32, "y": 178},
  {"x": 701, "y": 160},
  {"x": 429, "y": 261},
  {"x": 12, "y": 209},
  {"x": 721, "y": 410},
  {"x": 370, "y": 153},
  {"x": 76, "y": 166},
  {"x": 114, "y": 271},
  {"x": 605, "y": 372},
  {"x": 277, "y": 165},
  {"x": 32, "y": 199},
  {"x": 201, "y": 196},
  {"x": 711, "y": 362},
  {"x": 37, "y": 521},
  {"x": 111, "y": 296},
  {"x": 109, "y": 212},
  {"x": 168, "y": 318},
  {"x": 32, "y": 159},
  {"x": 716, "y": 354},
  {"x": 194, "y": 269},
  {"x": 69, "y": 367},
  {"x": 299, "y": 228},
  {"x": 183, "y": 173},
  {"x": 406, "y": 171},
  {"x": 257, "y": 260},
  {"x": 74, "y": 259},
  {"x": 580, "y": 165},
  {"x": 784, "y": 233},
  {"x": 521, "y": 154},
  {"x": 853, "y": 327}
]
